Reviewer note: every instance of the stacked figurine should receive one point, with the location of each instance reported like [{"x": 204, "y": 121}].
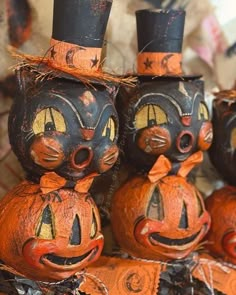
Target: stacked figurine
[
  {"x": 158, "y": 217},
  {"x": 167, "y": 129},
  {"x": 63, "y": 129},
  {"x": 221, "y": 239}
]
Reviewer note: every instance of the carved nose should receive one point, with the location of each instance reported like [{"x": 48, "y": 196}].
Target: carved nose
[
  {"x": 82, "y": 157},
  {"x": 185, "y": 141},
  {"x": 186, "y": 120}
]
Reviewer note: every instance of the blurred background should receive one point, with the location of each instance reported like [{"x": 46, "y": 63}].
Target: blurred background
[{"x": 207, "y": 50}]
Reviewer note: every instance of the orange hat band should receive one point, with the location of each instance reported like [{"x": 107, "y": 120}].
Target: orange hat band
[
  {"x": 159, "y": 63},
  {"x": 63, "y": 54}
]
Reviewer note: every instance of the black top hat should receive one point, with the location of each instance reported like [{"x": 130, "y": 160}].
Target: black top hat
[
  {"x": 76, "y": 44},
  {"x": 160, "y": 37},
  {"x": 78, "y": 33}
]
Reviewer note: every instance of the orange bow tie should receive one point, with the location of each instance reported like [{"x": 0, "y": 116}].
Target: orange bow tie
[
  {"x": 51, "y": 181},
  {"x": 163, "y": 166}
]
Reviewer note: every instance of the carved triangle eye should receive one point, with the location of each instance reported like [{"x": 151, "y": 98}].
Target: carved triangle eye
[
  {"x": 184, "y": 217},
  {"x": 156, "y": 209},
  {"x": 45, "y": 229},
  {"x": 200, "y": 205},
  {"x": 94, "y": 227},
  {"x": 75, "y": 238}
]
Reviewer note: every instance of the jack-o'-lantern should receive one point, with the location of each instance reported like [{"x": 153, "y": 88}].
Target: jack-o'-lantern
[
  {"x": 166, "y": 114},
  {"x": 48, "y": 237},
  {"x": 67, "y": 123},
  {"x": 222, "y": 152},
  {"x": 163, "y": 220},
  {"x": 221, "y": 238}
]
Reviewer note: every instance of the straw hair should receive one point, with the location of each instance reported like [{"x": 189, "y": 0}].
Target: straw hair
[
  {"x": 46, "y": 70},
  {"x": 226, "y": 94}
]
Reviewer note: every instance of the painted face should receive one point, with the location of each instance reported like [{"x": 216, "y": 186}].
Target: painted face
[
  {"x": 166, "y": 118},
  {"x": 222, "y": 153},
  {"x": 221, "y": 237},
  {"x": 49, "y": 237},
  {"x": 162, "y": 221},
  {"x": 64, "y": 126}
]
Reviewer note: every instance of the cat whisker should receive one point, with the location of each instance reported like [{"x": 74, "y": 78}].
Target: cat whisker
[
  {"x": 52, "y": 156},
  {"x": 29, "y": 136},
  {"x": 52, "y": 148},
  {"x": 49, "y": 159}
]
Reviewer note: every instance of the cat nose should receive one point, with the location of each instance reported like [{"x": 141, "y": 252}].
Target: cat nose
[
  {"x": 81, "y": 158},
  {"x": 87, "y": 134}
]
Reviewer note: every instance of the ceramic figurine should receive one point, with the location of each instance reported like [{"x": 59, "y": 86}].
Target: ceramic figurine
[
  {"x": 221, "y": 238},
  {"x": 166, "y": 114},
  {"x": 160, "y": 217},
  {"x": 63, "y": 127},
  {"x": 48, "y": 236},
  {"x": 222, "y": 152},
  {"x": 64, "y": 119}
]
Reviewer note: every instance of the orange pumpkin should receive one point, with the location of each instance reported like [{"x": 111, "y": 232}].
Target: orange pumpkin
[
  {"x": 48, "y": 237},
  {"x": 163, "y": 220},
  {"x": 222, "y": 235}
]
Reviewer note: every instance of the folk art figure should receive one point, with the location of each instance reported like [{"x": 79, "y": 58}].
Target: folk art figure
[
  {"x": 50, "y": 236},
  {"x": 63, "y": 127},
  {"x": 159, "y": 217},
  {"x": 64, "y": 118},
  {"x": 221, "y": 238},
  {"x": 166, "y": 114},
  {"x": 222, "y": 152}
]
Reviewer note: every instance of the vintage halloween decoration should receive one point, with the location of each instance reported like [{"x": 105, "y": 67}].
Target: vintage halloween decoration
[
  {"x": 221, "y": 238},
  {"x": 63, "y": 126},
  {"x": 48, "y": 236},
  {"x": 222, "y": 153},
  {"x": 163, "y": 220},
  {"x": 166, "y": 114},
  {"x": 67, "y": 124}
]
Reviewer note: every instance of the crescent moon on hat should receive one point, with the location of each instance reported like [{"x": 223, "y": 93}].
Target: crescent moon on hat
[{"x": 70, "y": 55}]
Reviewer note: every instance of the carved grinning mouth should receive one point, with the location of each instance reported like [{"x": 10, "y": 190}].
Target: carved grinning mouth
[
  {"x": 69, "y": 260},
  {"x": 155, "y": 237}
]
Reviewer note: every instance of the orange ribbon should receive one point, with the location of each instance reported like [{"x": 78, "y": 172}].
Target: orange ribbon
[
  {"x": 51, "y": 181},
  {"x": 163, "y": 166}
]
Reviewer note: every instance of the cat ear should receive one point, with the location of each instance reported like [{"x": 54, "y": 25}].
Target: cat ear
[
  {"x": 23, "y": 78},
  {"x": 113, "y": 90}
]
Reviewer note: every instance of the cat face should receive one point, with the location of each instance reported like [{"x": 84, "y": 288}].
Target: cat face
[
  {"x": 223, "y": 150},
  {"x": 64, "y": 126},
  {"x": 166, "y": 118}
]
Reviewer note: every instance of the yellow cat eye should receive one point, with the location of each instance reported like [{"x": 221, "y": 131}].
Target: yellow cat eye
[
  {"x": 49, "y": 119},
  {"x": 150, "y": 115},
  {"x": 203, "y": 112},
  {"x": 109, "y": 129}
]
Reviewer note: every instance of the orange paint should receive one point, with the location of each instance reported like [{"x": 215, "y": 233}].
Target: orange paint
[
  {"x": 205, "y": 137},
  {"x": 48, "y": 237},
  {"x": 123, "y": 277},
  {"x": 128, "y": 277},
  {"x": 221, "y": 238},
  {"x": 47, "y": 152},
  {"x": 171, "y": 230},
  {"x": 159, "y": 64},
  {"x": 74, "y": 56}
]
